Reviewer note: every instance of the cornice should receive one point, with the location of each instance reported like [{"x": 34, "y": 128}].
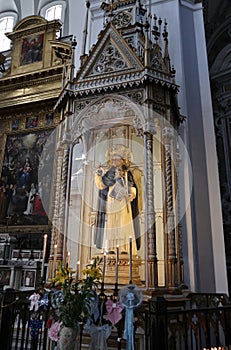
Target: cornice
[
  {"x": 32, "y": 79},
  {"x": 36, "y": 27},
  {"x": 106, "y": 82},
  {"x": 117, "y": 82},
  {"x": 24, "y": 229},
  {"x": 34, "y": 97},
  {"x": 23, "y": 110}
]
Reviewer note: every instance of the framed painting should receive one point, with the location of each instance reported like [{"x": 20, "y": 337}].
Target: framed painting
[
  {"x": 49, "y": 119},
  {"x": 25, "y": 182},
  {"x": 15, "y": 124},
  {"x": 31, "y": 122},
  {"x": 32, "y": 49},
  {"x": 5, "y": 277}
]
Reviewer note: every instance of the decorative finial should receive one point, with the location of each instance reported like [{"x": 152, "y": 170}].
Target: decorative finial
[
  {"x": 166, "y": 53},
  {"x": 165, "y": 33},
  {"x": 146, "y": 25},
  {"x": 155, "y": 30},
  {"x": 109, "y": 7},
  {"x": 146, "y": 48},
  {"x": 73, "y": 42}
]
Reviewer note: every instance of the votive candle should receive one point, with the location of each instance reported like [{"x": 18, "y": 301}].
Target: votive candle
[
  {"x": 104, "y": 266},
  {"x": 117, "y": 264},
  {"x": 44, "y": 253},
  {"x": 130, "y": 260}
]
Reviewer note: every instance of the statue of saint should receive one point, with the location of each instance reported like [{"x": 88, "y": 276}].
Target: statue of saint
[{"x": 119, "y": 201}]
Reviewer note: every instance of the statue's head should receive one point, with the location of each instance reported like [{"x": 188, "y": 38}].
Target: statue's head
[{"x": 121, "y": 154}]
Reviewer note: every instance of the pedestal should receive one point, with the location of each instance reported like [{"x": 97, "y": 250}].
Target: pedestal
[{"x": 123, "y": 269}]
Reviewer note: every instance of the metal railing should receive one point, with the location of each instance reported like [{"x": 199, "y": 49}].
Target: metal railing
[{"x": 193, "y": 322}]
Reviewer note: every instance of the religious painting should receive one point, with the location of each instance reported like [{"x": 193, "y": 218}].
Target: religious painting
[
  {"x": 25, "y": 183},
  {"x": 5, "y": 277},
  {"x": 31, "y": 122},
  {"x": 49, "y": 119},
  {"x": 32, "y": 49},
  {"x": 15, "y": 124}
]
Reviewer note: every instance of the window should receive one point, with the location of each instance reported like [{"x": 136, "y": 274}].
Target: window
[
  {"x": 54, "y": 12},
  {"x": 6, "y": 25}
]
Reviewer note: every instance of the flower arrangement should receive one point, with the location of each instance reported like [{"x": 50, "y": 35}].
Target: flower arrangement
[{"x": 73, "y": 301}]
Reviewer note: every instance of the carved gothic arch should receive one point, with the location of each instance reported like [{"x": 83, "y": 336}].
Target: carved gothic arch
[{"x": 108, "y": 110}]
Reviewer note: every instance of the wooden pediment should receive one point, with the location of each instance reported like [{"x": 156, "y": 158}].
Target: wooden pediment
[{"x": 31, "y": 49}]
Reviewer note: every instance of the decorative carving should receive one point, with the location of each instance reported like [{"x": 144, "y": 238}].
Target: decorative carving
[
  {"x": 110, "y": 60},
  {"x": 109, "y": 109},
  {"x": 122, "y": 19},
  {"x": 136, "y": 96},
  {"x": 157, "y": 61},
  {"x": 81, "y": 105}
]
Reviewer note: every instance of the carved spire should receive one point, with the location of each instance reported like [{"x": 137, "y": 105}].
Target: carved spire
[
  {"x": 155, "y": 30},
  {"x": 85, "y": 32},
  {"x": 146, "y": 49},
  {"x": 166, "y": 53}
]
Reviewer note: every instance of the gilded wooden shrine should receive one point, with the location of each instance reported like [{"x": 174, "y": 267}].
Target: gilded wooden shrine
[{"x": 30, "y": 84}]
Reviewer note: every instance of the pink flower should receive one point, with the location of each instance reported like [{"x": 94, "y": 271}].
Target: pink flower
[{"x": 53, "y": 331}]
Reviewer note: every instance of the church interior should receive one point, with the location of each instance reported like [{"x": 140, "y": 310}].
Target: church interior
[{"x": 115, "y": 148}]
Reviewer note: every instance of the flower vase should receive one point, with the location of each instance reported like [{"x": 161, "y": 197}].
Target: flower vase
[{"x": 67, "y": 338}]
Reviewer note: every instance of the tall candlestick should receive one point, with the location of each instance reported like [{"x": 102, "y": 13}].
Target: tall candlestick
[
  {"x": 44, "y": 253},
  {"x": 117, "y": 263},
  {"x": 104, "y": 266},
  {"x": 130, "y": 259},
  {"x": 77, "y": 270},
  {"x": 54, "y": 262},
  {"x": 69, "y": 259}
]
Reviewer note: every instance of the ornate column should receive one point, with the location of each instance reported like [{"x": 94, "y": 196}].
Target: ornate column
[
  {"x": 62, "y": 246},
  {"x": 55, "y": 233},
  {"x": 168, "y": 135},
  {"x": 150, "y": 212},
  {"x": 61, "y": 166},
  {"x": 179, "y": 251}
]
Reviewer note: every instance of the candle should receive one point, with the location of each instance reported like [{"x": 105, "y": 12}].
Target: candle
[
  {"x": 130, "y": 259},
  {"x": 106, "y": 245},
  {"x": 54, "y": 262},
  {"x": 117, "y": 263},
  {"x": 77, "y": 271},
  {"x": 104, "y": 266},
  {"x": 44, "y": 253},
  {"x": 69, "y": 259}
]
